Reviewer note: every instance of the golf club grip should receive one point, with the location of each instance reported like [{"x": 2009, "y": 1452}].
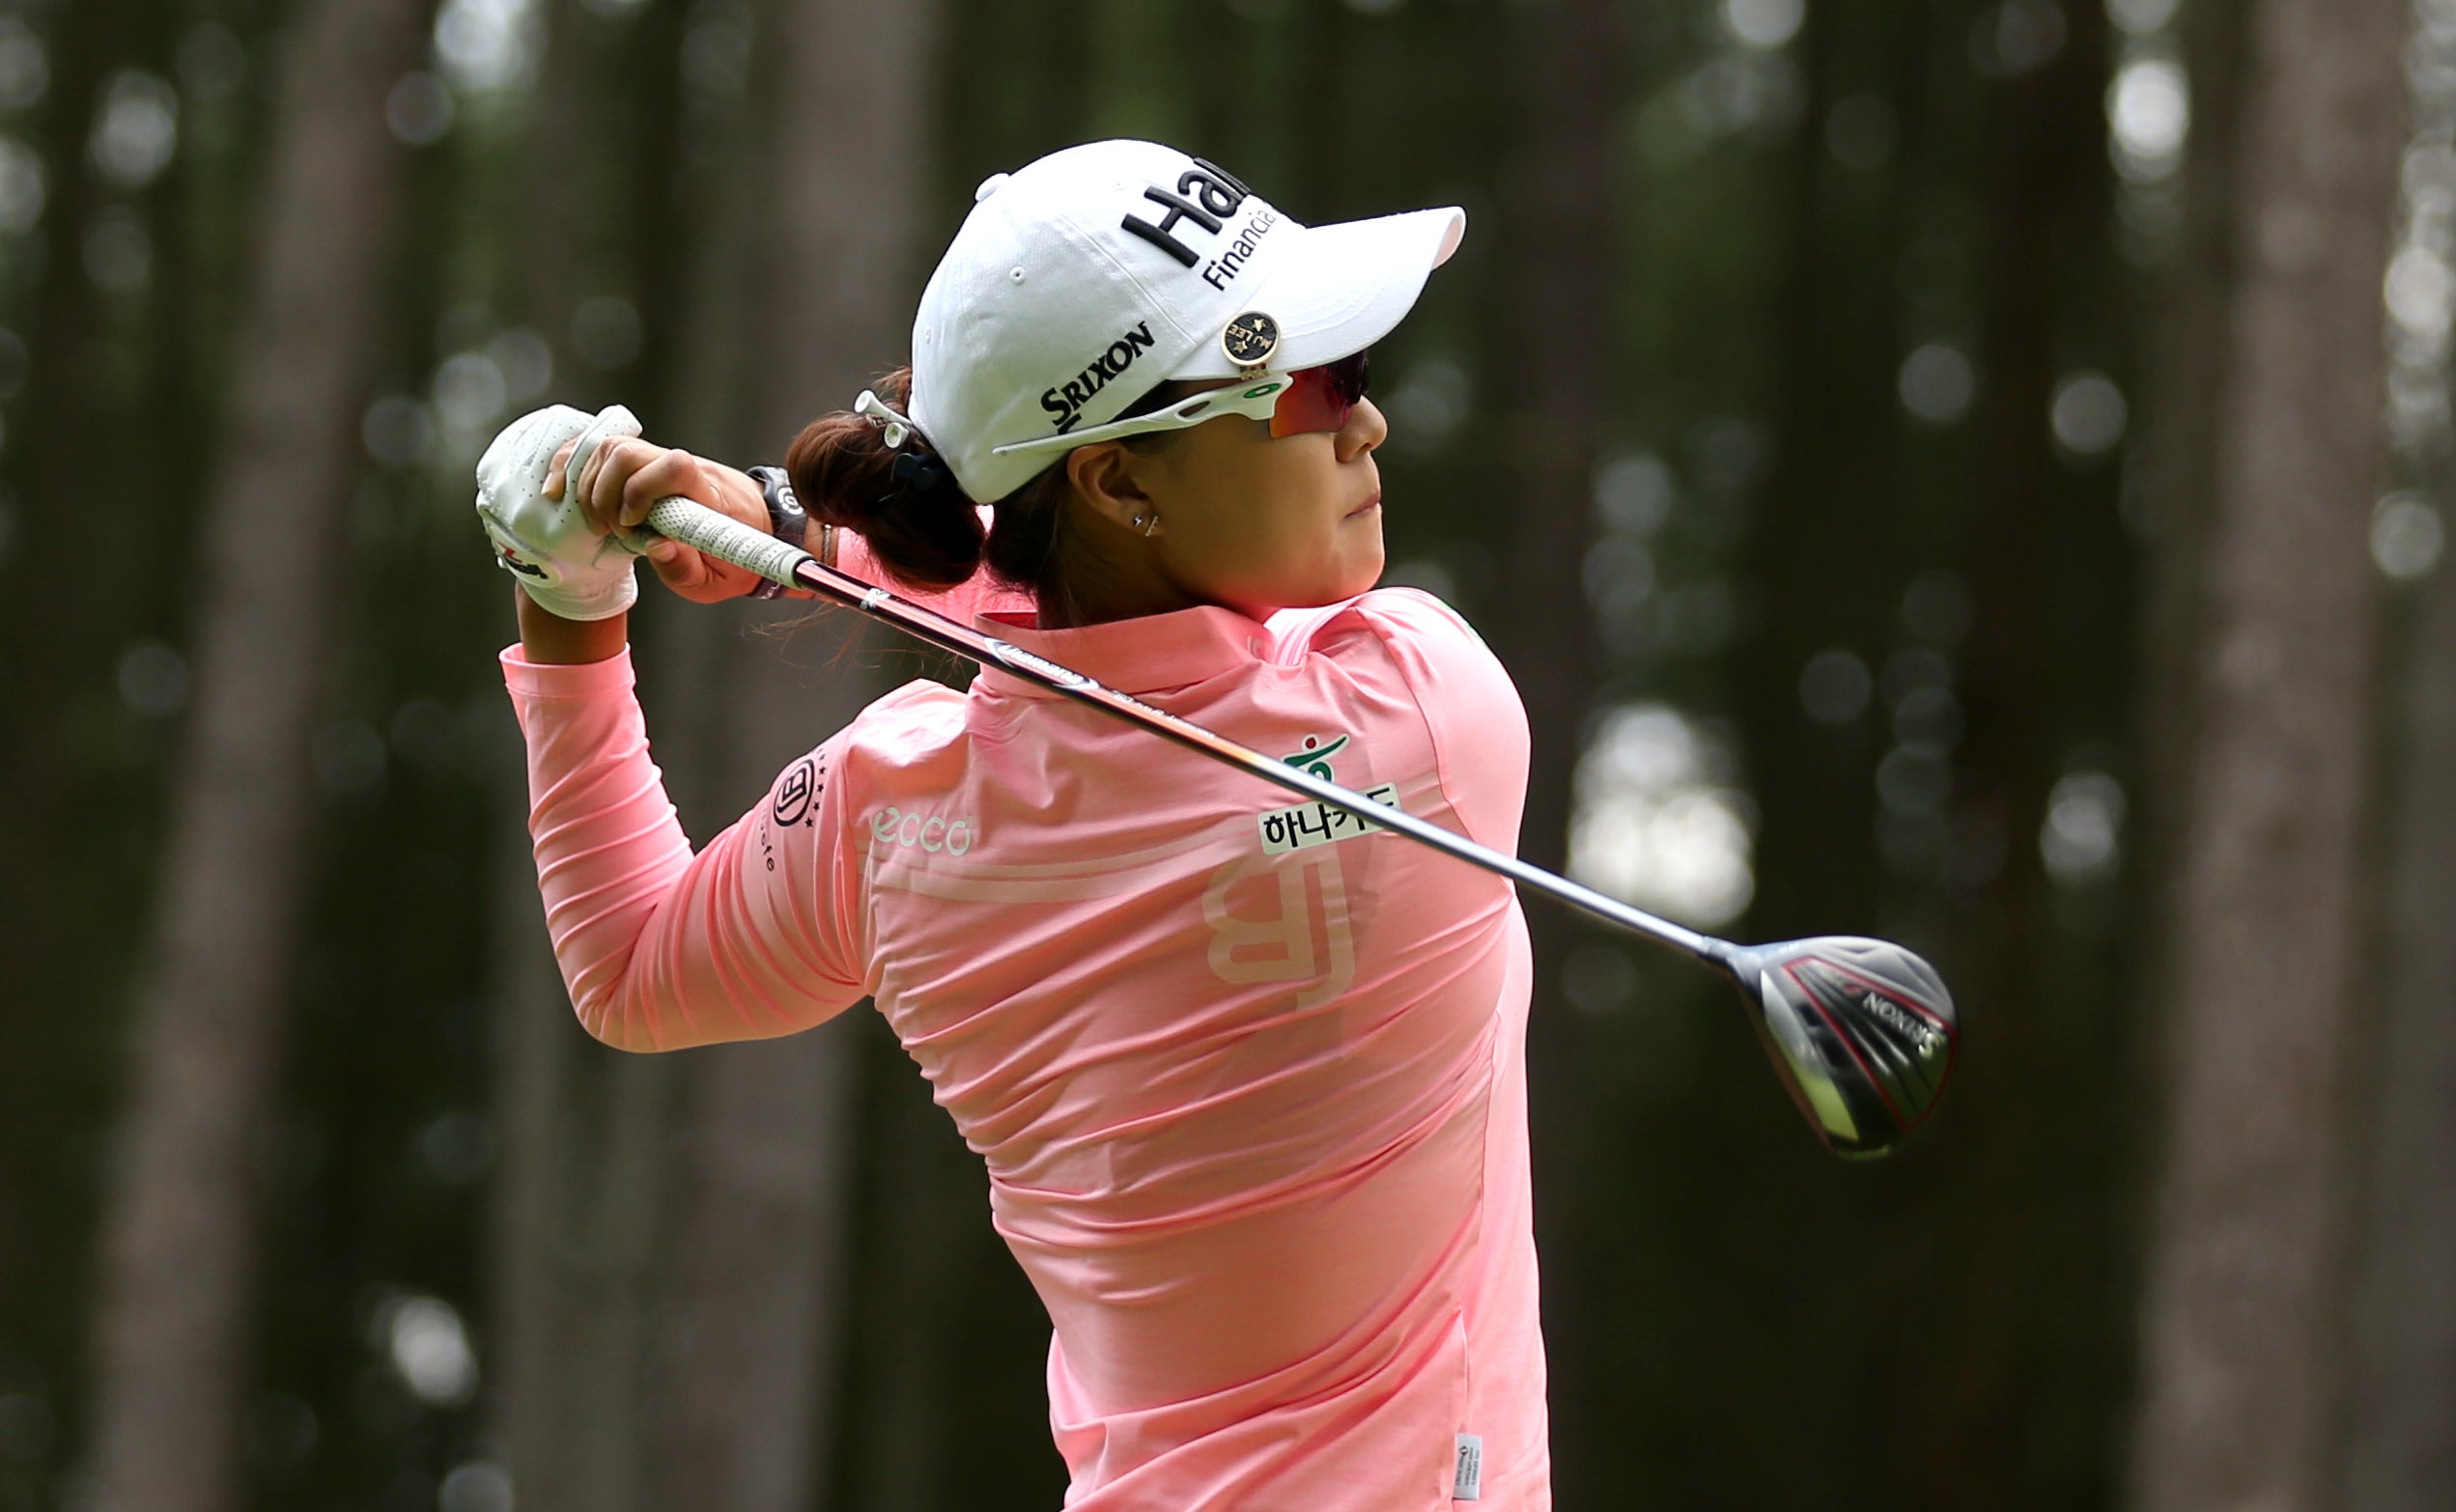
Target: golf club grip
[
  {"x": 722, "y": 536},
  {"x": 695, "y": 524}
]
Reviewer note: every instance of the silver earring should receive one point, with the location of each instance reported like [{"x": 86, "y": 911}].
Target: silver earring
[{"x": 1146, "y": 524}]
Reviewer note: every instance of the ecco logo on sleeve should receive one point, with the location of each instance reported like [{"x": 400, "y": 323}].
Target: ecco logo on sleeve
[{"x": 912, "y": 829}]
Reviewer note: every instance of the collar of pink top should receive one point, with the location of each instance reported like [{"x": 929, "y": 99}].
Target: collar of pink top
[{"x": 1137, "y": 656}]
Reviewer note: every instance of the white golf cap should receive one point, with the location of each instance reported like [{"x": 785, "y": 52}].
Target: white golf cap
[{"x": 1083, "y": 281}]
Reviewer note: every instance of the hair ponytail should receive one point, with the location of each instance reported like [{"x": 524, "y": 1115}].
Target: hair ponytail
[{"x": 915, "y": 519}]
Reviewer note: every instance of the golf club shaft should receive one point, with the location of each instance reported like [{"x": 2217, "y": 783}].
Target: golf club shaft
[{"x": 719, "y": 534}]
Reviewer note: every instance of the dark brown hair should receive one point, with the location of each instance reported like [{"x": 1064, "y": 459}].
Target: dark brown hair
[
  {"x": 927, "y": 537},
  {"x": 932, "y": 537}
]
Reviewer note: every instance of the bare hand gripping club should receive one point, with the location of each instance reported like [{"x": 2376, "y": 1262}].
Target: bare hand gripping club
[{"x": 1861, "y": 1031}]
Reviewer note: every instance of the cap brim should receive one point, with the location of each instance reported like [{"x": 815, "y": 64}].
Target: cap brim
[{"x": 1342, "y": 288}]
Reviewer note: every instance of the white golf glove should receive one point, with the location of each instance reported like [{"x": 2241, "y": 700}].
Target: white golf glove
[{"x": 567, "y": 568}]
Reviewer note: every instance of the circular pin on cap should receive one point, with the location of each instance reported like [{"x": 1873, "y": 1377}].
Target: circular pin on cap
[{"x": 1250, "y": 340}]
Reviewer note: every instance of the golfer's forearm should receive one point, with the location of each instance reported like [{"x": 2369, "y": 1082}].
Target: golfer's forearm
[
  {"x": 608, "y": 847},
  {"x": 549, "y": 639},
  {"x": 661, "y": 949}
]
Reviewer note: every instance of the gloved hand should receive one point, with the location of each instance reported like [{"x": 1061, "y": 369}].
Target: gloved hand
[{"x": 569, "y": 568}]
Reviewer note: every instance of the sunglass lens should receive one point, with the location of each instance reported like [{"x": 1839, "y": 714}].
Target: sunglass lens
[
  {"x": 1320, "y": 399},
  {"x": 1350, "y": 376}
]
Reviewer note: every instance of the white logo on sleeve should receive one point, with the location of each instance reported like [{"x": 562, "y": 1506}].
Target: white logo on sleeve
[
  {"x": 913, "y": 830},
  {"x": 1466, "y": 1479}
]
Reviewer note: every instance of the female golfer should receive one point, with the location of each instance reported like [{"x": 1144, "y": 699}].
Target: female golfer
[{"x": 1247, "y": 1077}]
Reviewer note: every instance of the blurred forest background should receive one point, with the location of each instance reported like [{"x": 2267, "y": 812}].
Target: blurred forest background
[{"x": 1966, "y": 470}]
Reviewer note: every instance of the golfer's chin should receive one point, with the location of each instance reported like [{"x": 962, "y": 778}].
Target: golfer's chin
[
  {"x": 1363, "y": 541},
  {"x": 1335, "y": 588},
  {"x": 1354, "y": 578}
]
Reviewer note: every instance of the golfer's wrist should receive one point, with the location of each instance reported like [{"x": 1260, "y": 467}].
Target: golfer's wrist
[{"x": 549, "y": 639}]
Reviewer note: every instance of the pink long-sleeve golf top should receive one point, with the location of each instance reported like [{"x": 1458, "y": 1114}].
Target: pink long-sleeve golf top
[{"x": 1247, "y": 1078}]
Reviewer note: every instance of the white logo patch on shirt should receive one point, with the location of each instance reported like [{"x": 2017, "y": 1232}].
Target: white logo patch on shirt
[{"x": 1317, "y": 822}]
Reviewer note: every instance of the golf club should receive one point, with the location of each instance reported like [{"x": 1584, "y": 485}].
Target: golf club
[{"x": 1861, "y": 1031}]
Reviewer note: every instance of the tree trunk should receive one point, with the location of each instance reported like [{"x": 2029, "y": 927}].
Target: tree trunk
[
  {"x": 1563, "y": 225},
  {"x": 575, "y": 1228},
  {"x": 580, "y": 1203},
  {"x": 927, "y": 1213},
  {"x": 2182, "y": 432},
  {"x": 1825, "y": 537},
  {"x": 56, "y": 864},
  {"x": 2401, "y": 1405},
  {"x": 757, "y": 1332},
  {"x": 2048, "y": 173},
  {"x": 179, "y": 1254},
  {"x": 2238, "y": 1321}
]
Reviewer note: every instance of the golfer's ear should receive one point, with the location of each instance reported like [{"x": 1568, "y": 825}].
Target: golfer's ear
[{"x": 1102, "y": 474}]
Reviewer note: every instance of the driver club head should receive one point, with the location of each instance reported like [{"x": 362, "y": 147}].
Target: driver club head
[{"x": 1862, "y": 1032}]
